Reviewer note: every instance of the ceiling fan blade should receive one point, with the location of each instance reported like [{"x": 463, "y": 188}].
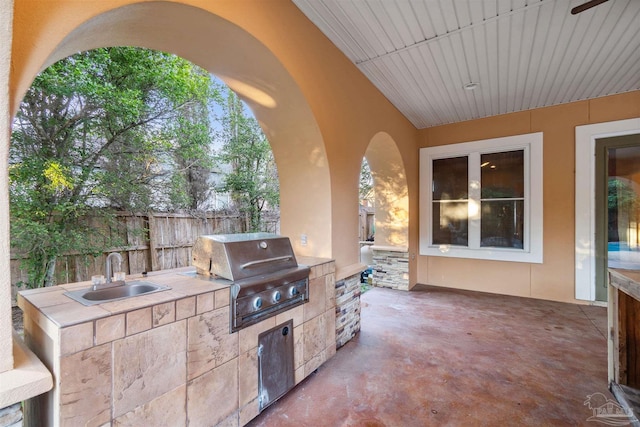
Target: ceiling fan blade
[{"x": 586, "y": 5}]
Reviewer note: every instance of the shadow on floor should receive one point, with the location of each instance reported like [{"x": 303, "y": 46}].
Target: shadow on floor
[{"x": 446, "y": 357}]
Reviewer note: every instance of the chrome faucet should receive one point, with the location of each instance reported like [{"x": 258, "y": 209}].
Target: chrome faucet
[{"x": 108, "y": 268}]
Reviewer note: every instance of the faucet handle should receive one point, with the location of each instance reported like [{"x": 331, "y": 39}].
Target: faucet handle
[{"x": 97, "y": 280}]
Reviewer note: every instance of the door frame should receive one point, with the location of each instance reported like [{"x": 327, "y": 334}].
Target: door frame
[
  {"x": 602, "y": 148},
  {"x": 585, "y": 206}
]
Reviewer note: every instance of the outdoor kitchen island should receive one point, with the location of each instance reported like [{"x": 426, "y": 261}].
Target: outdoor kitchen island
[
  {"x": 624, "y": 340},
  {"x": 165, "y": 358}
]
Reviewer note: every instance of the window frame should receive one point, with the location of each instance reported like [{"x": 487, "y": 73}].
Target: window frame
[{"x": 532, "y": 251}]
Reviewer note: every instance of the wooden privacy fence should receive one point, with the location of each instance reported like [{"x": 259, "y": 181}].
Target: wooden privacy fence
[
  {"x": 156, "y": 241},
  {"x": 367, "y": 223}
]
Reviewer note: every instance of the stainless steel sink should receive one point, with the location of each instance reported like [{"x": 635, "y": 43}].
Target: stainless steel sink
[{"x": 113, "y": 293}]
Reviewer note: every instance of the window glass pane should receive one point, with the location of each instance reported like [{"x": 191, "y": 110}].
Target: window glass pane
[
  {"x": 623, "y": 207},
  {"x": 450, "y": 179},
  {"x": 502, "y": 175},
  {"x": 450, "y": 224},
  {"x": 502, "y": 224},
  {"x": 503, "y": 203}
]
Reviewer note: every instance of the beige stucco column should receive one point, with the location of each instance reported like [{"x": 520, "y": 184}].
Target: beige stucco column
[
  {"x": 391, "y": 192},
  {"x": 6, "y": 328},
  {"x": 22, "y": 375}
]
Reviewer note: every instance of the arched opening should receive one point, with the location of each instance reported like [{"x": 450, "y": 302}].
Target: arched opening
[
  {"x": 254, "y": 73},
  {"x": 134, "y": 144},
  {"x": 318, "y": 111},
  {"x": 367, "y": 229},
  {"x": 391, "y": 241}
]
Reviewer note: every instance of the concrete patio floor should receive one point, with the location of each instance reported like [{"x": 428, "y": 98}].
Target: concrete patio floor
[{"x": 443, "y": 357}]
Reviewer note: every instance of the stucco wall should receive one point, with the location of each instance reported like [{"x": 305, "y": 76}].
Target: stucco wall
[
  {"x": 6, "y": 349},
  {"x": 554, "y": 278},
  {"x": 347, "y": 110},
  {"x": 390, "y": 187},
  {"x": 320, "y": 120},
  {"x": 346, "y": 113}
]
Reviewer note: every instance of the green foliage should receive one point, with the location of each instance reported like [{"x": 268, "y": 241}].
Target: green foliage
[
  {"x": 115, "y": 128},
  {"x": 253, "y": 180},
  {"x": 194, "y": 160}
]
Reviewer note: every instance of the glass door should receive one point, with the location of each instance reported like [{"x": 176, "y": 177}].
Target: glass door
[{"x": 618, "y": 207}]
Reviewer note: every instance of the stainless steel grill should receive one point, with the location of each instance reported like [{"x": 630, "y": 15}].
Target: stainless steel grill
[{"x": 267, "y": 279}]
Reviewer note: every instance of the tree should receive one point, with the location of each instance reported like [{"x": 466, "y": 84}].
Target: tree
[
  {"x": 623, "y": 204},
  {"x": 191, "y": 187},
  {"x": 103, "y": 129},
  {"x": 253, "y": 179},
  {"x": 366, "y": 183}
]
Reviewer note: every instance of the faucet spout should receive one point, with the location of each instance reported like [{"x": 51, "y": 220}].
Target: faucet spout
[{"x": 108, "y": 268}]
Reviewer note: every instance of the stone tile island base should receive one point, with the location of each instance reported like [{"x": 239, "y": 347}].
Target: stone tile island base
[
  {"x": 11, "y": 416},
  {"x": 171, "y": 362},
  {"x": 347, "y": 309},
  {"x": 391, "y": 267}
]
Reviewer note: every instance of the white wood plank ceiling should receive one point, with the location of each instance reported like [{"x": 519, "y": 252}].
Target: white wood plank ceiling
[{"x": 522, "y": 54}]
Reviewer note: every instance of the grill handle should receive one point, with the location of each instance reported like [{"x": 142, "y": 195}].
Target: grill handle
[
  {"x": 251, "y": 264},
  {"x": 263, "y": 397}
]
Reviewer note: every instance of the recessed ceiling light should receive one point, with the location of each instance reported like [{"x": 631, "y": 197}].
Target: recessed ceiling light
[{"x": 471, "y": 86}]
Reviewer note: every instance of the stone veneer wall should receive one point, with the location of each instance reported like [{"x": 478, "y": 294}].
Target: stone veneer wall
[
  {"x": 391, "y": 269},
  {"x": 347, "y": 309},
  {"x": 11, "y": 416},
  {"x": 173, "y": 363}
]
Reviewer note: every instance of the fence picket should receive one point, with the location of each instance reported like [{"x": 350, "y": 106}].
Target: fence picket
[{"x": 163, "y": 245}]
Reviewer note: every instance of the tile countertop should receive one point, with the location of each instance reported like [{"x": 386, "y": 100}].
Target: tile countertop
[{"x": 64, "y": 311}]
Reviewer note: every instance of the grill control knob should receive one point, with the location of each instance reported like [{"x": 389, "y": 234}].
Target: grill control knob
[
  {"x": 293, "y": 291},
  {"x": 277, "y": 296},
  {"x": 257, "y": 303}
]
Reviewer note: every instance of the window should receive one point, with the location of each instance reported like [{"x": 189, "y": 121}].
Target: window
[{"x": 483, "y": 199}]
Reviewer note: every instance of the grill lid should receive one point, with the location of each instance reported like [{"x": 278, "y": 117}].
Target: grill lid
[{"x": 240, "y": 256}]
